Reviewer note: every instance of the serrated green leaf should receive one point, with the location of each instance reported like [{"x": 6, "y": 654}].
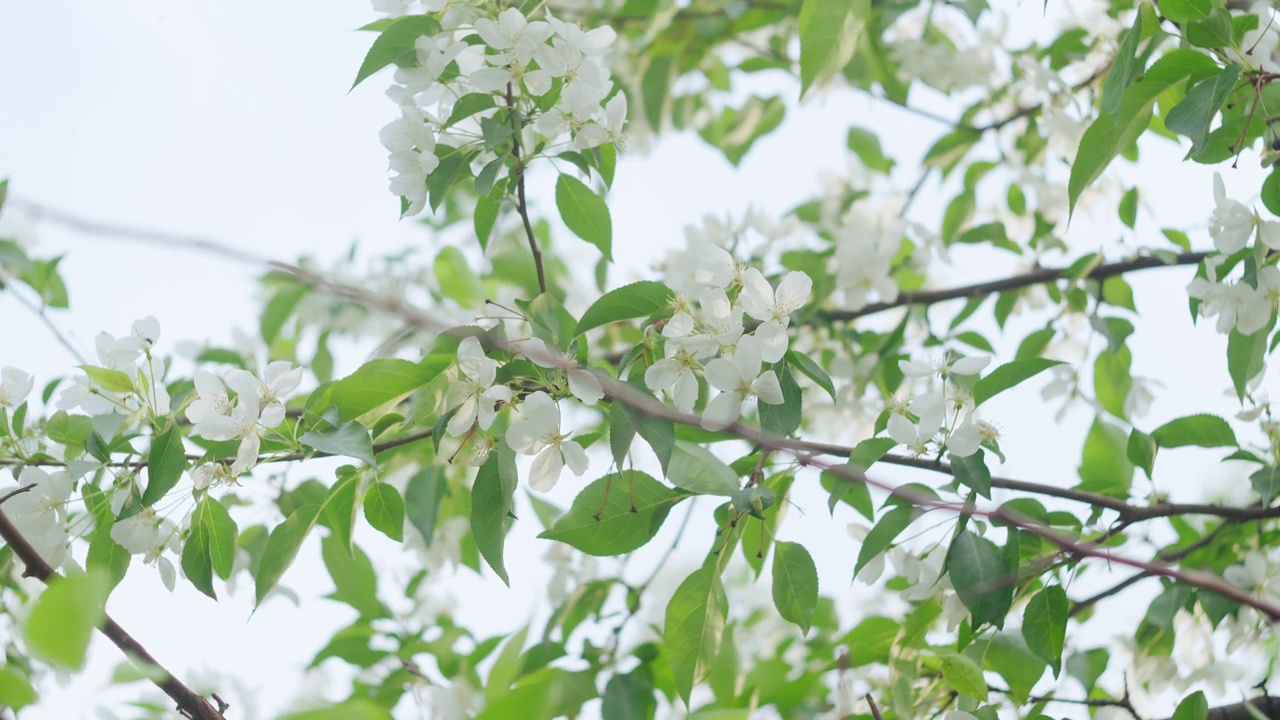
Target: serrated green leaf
[
  {"x": 883, "y": 533},
  {"x": 639, "y": 299},
  {"x": 694, "y": 627},
  {"x": 396, "y": 44},
  {"x": 350, "y": 439},
  {"x": 16, "y": 691},
  {"x": 166, "y": 462},
  {"x": 1009, "y": 375},
  {"x": 971, "y": 471},
  {"x": 1266, "y": 482},
  {"x": 1044, "y": 625},
  {"x": 1109, "y": 134},
  {"x": 829, "y": 33},
  {"x": 1123, "y": 69},
  {"x": 1141, "y": 450},
  {"x": 585, "y": 213},
  {"x": 1201, "y": 430},
  {"x": 355, "y": 581},
  {"x": 963, "y": 676},
  {"x": 697, "y": 469},
  {"x": 606, "y": 524},
  {"x": 384, "y": 509},
  {"x": 63, "y": 618},
  {"x": 795, "y": 584},
  {"x": 1195, "y": 114},
  {"x": 493, "y": 506},
  {"x": 378, "y": 383},
  {"x": 980, "y": 578},
  {"x": 1192, "y": 707},
  {"x": 112, "y": 380}
]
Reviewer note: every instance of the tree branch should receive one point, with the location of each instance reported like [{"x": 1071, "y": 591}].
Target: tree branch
[
  {"x": 1039, "y": 276},
  {"x": 521, "y": 205},
  {"x": 190, "y": 704}
]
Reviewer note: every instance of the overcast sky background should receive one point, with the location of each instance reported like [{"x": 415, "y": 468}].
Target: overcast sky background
[{"x": 232, "y": 120}]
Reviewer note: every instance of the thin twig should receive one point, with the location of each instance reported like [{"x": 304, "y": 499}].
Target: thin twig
[
  {"x": 1039, "y": 276},
  {"x": 190, "y": 704},
  {"x": 521, "y": 205},
  {"x": 44, "y": 318}
]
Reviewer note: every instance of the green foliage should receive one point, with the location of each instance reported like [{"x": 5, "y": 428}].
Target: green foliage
[
  {"x": 615, "y": 514},
  {"x": 64, "y": 617}
]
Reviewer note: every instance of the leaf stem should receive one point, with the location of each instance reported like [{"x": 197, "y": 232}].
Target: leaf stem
[{"x": 522, "y": 205}]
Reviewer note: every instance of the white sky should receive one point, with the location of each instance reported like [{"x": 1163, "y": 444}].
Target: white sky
[{"x": 232, "y": 119}]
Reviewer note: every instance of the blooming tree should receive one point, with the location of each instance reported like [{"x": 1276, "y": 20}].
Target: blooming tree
[{"x": 812, "y": 394}]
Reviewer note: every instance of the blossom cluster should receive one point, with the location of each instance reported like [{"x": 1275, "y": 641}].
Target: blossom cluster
[
  {"x": 146, "y": 396},
  {"x": 707, "y": 335},
  {"x": 258, "y": 407},
  {"x": 1239, "y": 305},
  {"x": 941, "y": 418},
  {"x": 548, "y": 74}
]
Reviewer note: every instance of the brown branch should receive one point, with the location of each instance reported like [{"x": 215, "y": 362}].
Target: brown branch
[
  {"x": 1040, "y": 276},
  {"x": 190, "y": 704},
  {"x": 521, "y": 205}
]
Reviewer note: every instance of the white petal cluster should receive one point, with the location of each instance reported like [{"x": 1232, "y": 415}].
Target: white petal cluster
[
  {"x": 866, "y": 242},
  {"x": 1236, "y": 304},
  {"x": 15, "y": 385},
  {"x": 40, "y": 514},
  {"x": 516, "y": 61},
  {"x": 258, "y": 406},
  {"x": 132, "y": 356},
  {"x": 916, "y": 423},
  {"x": 148, "y": 534}
]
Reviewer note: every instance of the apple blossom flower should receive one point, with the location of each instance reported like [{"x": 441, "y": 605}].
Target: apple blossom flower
[
  {"x": 774, "y": 309},
  {"x": 278, "y": 380},
  {"x": 916, "y": 436},
  {"x": 513, "y": 32},
  {"x": 1231, "y": 224},
  {"x": 950, "y": 364},
  {"x": 40, "y": 514},
  {"x": 583, "y": 384},
  {"x": 211, "y": 397},
  {"x": 474, "y": 394},
  {"x": 965, "y": 440},
  {"x": 15, "y": 385},
  {"x": 146, "y": 533},
  {"x": 242, "y": 425},
  {"x": 537, "y": 432},
  {"x": 675, "y": 374},
  {"x": 739, "y": 380}
]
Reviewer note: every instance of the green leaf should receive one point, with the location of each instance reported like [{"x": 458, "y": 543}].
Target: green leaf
[
  {"x": 457, "y": 281},
  {"x": 1246, "y": 356},
  {"x": 395, "y": 44},
  {"x": 1112, "y": 381},
  {"x": 697, "y": 469},
  {"x": 455, "y": 164},
  {"x": 694, "y": 627},
  {"x": 639, "y": 299},
  {"x": 211, "y": 546},
  {"x": 1044, "y": 625},
  {"x": 783, "y": 419},
  {"x": 1201, "y": 430},
  {"x": 1008, "y": 655},
  {"x": 1141, "y": 450},
  {"x": 1215, "y": 31},
  {"x": 629, "y": 697},
  {"x": 972, "y": 472},
  {"x": 1124, "y": 68},
  {"x": 851, "y": 492},
  {"x": 378, "y": 383},
  {"x": 384, "y": 509},
  {"x": 1195, "y": 114},
  {"x": 1105, "y": 466},
  {"x": 1181, "y": 11},
  {"x": 15, "y": 690},
  {"x": 422, "y": 497},
  {"x": 812, "y": 370},
  {"x": 1009, "y": 375},
  {"x": 4, "y": 191},
  {"x": 486, "y": 214},
  {"x": 883, "y": 533},
  {"x": 1109, "y": 134},
  {"x": 350, "y": 439},
  {"x": 980, "y": 578},
  {"x": 1266, "y": 482},
  {"x": 492, "y": 507},
  {"x": 950, "y": 149},
  {"x": 506, "y": 669},
  {"x": 866, "y": 145},
  {"x": 466, "y": 106},
  {"x": 829, "y": 32},
  {"x": 355, "y": 709},
  {"x": 279, "y": 309},
  {"x": 615, "y": 514},
  {"x": 795, "y": 584},
  {"x": 1193, "y": 706},
  {"x": 963, "y": 676},
  {"x": 282, "y": 547},
  {"x": 165, "y": 464},
  {"x": 107, "y": 379},
  {"x": 543, "y": 694},
  {"x": 64, "y": 617},
  {"x": 1270, "y": 194},
  {"x": 355, "y": 581},
  {"x": 866, "y": 453},
  {"x": 660, "y": 433},
  {"x": 585, "y": 213}
]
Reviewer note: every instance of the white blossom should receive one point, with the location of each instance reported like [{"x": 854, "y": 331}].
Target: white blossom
[
  {"x": 537, "y": 432},
  {"x": 40, "y": 514},
  {"x": 474, "y": 394},
  {"x": 739, "y": 380},
  {"x": 15, "y": 385}
]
